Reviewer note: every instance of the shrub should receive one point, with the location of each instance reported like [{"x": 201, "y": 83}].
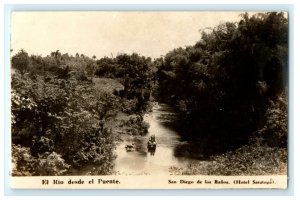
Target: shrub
[
  {"x": 23, "y": 163},
  {"x": 51, "y": 164},
  {"x": 42, "y": 145},
  {"x": 275, "y": 131},
  {"x": 47, "y": 164},
  {"x": 129, "y": 106}
]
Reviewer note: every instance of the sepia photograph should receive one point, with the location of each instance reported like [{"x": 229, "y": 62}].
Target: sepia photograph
[{"x": 134, "y": 99}]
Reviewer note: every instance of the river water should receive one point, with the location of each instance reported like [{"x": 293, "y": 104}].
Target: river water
[{"x": 140, "y": 161}]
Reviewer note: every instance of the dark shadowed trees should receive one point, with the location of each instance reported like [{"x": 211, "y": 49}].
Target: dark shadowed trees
[{"x": 223, "y": 84}]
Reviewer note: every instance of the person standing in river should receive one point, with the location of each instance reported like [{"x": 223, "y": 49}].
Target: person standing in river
[{"x": 152, "y": 145}]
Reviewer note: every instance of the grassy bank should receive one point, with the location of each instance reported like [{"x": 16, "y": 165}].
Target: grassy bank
[{"x": 247, "y": 160}]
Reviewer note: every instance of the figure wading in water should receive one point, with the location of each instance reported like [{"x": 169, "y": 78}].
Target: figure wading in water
[{"x": 151, "y": 145}]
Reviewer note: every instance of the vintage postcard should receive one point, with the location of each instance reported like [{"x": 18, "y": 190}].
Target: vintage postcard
[{"x": 149, "y": 100}]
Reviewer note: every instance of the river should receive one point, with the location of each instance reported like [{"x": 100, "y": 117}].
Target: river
[{"x": 140, "y": 161}]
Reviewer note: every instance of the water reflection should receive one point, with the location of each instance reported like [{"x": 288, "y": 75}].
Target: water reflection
[{"x": 151, "y": 151}]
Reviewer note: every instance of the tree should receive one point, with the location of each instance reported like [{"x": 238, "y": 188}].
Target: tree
[
  {"x": 106, "y": 67},
  {"x": 136, "y": 76},
  {"x": 20, "y": 61}
]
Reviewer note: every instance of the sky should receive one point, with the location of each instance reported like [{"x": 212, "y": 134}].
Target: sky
[{"x": 109, "y": 33}]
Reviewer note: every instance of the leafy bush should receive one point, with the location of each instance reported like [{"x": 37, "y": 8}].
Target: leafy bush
[
  {"x": 23, "y": 163},
  {"x": 51, "y": 164},
  {"x": 275, "y": 130},
  {"x": 129, "y": 106},
  {"x": 134, "y": 125},
  {"x": 42, "y": 145},
  {"x": 93, "y": 150},
  {"x": 47, "y": 164}
]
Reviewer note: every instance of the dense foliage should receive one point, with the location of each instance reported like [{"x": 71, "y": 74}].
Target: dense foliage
[
  {"x": 224, "y": 84},
  {"x": 57, "y": 116},
  {"x": 63, "y": 116},
  {"x": 134, "y": 72}
]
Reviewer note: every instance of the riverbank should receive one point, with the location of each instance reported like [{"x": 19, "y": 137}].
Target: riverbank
[
  {"x": 125, "y": 121},
  {"x": 245, "y": 161}
]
